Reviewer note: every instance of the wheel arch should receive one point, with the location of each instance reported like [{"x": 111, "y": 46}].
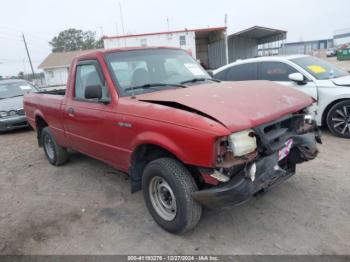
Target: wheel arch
[
  {"x": 40, "y": 124},
  {"x": 142, "y": 155},
  {"x": 328, "y": 107}
]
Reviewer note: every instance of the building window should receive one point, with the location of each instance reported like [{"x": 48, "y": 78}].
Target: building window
[
  {"x": 143, "y": 42},
  {"x": 51, "y": 74},
  {"x": 182, "y": 40}
]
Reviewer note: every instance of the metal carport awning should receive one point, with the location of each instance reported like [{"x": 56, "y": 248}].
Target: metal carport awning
[{"x": 261, "y": 34}]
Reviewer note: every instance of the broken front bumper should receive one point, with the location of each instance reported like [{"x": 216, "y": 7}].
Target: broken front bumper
[{"x": 269, "y": 173}]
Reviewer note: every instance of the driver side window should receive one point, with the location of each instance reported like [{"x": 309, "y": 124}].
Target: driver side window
[
  {"x": 275, "y": 71},
  {"x": 87, "y": 75}
]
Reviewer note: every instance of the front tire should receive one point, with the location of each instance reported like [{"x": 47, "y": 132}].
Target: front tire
[
  {"x": 338, "y": 119},
  {"x": 55, "y": 154},
  {"x": 167, "y": 189}
]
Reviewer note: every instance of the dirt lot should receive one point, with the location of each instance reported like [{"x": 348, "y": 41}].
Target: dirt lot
[{"x": 85, "y": 207}]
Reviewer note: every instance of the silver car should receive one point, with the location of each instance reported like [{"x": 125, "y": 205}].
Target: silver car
[
  {"x": 327, "y": 84},
  {"x": 11, "y": 104}
]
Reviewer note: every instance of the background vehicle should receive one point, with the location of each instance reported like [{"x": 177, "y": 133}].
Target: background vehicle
[
  {"x": 11, "y": 103},
  {"x": 185, "y": 139},
  {"x": 329, "y": 85},
  {"x": 331, "y": 52}
]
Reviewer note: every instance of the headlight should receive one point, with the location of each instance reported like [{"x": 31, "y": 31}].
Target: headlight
[
  {"x": 242, "y": 143},
  {"x": 12, "y": 113},
  {"x": 3, "y": 114},
  {"x": 311, "y": 113}
]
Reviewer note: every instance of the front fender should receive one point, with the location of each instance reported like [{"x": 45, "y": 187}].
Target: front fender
[
  {"x": 190, "y": 146},
  {"x": 158, "y": 139}
]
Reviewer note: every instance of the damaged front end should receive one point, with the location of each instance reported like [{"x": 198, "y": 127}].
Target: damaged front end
[{"x": 244, "y": 169}]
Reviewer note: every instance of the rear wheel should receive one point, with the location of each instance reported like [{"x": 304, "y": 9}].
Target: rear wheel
[
  {"x": 167, "y": 189},
  {"x": 55, "y": 154},
  {"x": 338, "y": 119}
]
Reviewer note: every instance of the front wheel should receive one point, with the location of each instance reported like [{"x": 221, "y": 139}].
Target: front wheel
[
  {"x": 338, "y": 119},
  {"x": 167, "y": 189}
]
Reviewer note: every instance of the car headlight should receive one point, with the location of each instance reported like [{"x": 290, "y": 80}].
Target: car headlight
[
  {"x": 311, "y": 113},
  {"x": 12, "y": 113},
  {"x": 242, "y": 143},
  {"x": 3, "y": 114}
]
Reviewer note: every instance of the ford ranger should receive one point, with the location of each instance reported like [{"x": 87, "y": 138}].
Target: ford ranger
[{"x": 184, "y": 138}]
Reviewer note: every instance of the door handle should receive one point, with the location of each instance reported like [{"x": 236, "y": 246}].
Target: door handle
[{"x": 70, "y": 111}]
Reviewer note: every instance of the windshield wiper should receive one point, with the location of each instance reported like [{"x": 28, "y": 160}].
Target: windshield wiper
[
  {"x": 152, "y": 85},
  {"x": 193, "y": 80}
]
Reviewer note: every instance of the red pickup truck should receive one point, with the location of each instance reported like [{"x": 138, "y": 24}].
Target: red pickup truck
[{"x": 184, "y": 138}]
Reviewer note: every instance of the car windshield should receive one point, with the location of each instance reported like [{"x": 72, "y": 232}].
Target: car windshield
[
  {"x": 320, "y": 69},
  {"x": 13, "y": 89},
  {"x": 149, "y": 70}
]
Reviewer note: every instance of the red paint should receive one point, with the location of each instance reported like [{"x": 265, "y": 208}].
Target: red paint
[
  {"x": 209, "y": 180},
  {"x": 94, "y": 128}
]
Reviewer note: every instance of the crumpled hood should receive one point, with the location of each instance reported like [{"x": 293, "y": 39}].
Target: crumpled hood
[
  {"x": 342, "y": 81},
  {"x": 236, "y": 105},
  {"x": 13, "y": 103}
]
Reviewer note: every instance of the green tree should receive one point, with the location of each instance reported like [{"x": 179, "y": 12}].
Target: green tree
[
  {"x": 75, "y": 39},
  {"x": 21, "y": 75},
  {"x": 1, "y": 77}
]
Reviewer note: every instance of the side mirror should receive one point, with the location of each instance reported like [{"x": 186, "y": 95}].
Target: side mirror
[
  {"x": 298, "y": 78},
  {"x": 93, "y": 92}
]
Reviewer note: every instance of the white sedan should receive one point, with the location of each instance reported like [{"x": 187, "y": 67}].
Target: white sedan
[{"x": 327, "y": 84}]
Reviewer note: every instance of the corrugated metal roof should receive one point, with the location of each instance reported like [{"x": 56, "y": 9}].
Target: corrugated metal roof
[
  {"x": 258, "y": 32},
  {"x": 61, "y": 59},
  {"x": 170, "y": 32}
]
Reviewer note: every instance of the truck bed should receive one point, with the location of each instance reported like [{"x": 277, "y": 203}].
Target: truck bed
[{"x": 61, "y": 92}]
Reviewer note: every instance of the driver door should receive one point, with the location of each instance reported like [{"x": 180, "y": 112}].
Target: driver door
[{"x": 89, "y": 122}]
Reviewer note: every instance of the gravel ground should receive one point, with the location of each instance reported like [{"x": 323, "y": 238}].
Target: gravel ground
[{"x": 85, "y": 207}]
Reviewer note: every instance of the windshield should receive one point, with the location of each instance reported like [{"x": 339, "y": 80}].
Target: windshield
[
  {"x": 13, "y": 89},
  {"x": 318, "y": 68},
  {"x": 149, "y": 70}
]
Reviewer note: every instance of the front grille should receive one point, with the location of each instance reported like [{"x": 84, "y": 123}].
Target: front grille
[
  {"x": 273, "y": 135},
  {"x": 24, "y": 123}
]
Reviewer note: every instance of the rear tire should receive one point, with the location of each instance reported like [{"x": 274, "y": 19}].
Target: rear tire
[
  {"x": 167, "y": 189},
  {"x": 55, "y": 154},
  {"x": 338, "y": 119}
]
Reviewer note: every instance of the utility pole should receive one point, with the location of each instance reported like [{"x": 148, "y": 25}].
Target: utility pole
[
  {"x": 226, "y": 41},
  {"x": 30, "y": 60},
  {"x": 101, "y": 30},
  {"x": 168, "y": 23},
  {"x": 121, "y": 17},
  {"x": 122, "y": 21},
  {"x": 116, "y": 29}
]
